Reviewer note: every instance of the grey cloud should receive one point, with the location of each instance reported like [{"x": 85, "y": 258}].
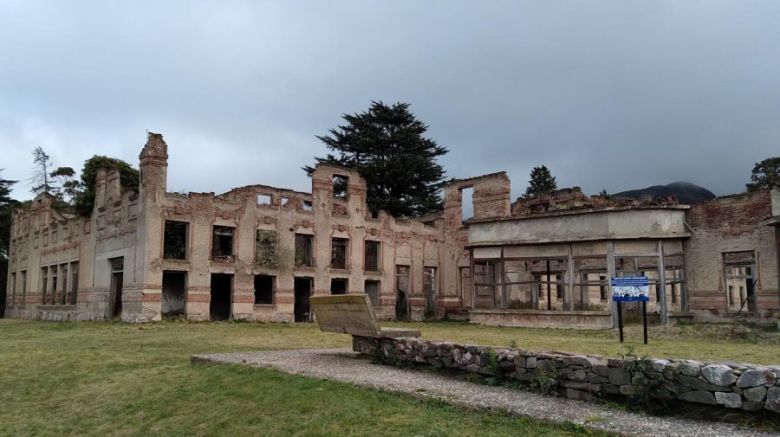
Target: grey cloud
[{"x": 608, "y": 94}]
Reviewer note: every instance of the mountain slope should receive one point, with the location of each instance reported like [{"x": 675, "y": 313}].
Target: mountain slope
[{"x": 686, "y": 193}]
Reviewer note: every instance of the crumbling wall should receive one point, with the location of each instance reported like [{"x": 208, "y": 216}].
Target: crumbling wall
[
  {"x": 731, "y": 224},
  {"x": 44, "y": 237},
  {"x": 573, "y": 199}
]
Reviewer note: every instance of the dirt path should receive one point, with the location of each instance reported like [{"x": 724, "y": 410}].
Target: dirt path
[{"x": 342, "y": 365}]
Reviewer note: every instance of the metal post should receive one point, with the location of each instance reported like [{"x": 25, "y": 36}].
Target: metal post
[
  {"x": 549, "y": 301},
  {"x": 620, "y": 319},
  {"x": 644, "y": 319}
]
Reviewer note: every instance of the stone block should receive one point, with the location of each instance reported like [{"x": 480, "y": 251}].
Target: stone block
[
  {"x": 773, "y": 399},
  {"x": 596, "y": 379},
  {"x": 755, "y": 394},
  {"x": 519, "y": 361},
  {"x": 601, "y": 370},
  {"x": 609, "y": 389},
  {"x": 618, "y": 376},
  {"x": 697, "y": 384},
  {"x": 628, "y": 390},
  {"x": 719, "y": 374},
  {"x": 659, "y": 365},
  {"x": 754, "y": 377},
  {"x": 690, "y": 368},
  {"x": 699, "y": 397},
  {"x": 728, "y": 400}
]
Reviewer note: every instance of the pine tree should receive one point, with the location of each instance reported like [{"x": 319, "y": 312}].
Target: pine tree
[
  {"x": 386, "y": 144},
  {"x": 6, "y": 206},
  {"x": 541, "y": 182},
  {"x": 41, "y": 181}
]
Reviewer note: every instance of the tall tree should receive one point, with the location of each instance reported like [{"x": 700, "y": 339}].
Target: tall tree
[
  {"x": 67, "y": 184},
  {"x": 41, "y": 180},
  {"x": 84, "y": 199},
  {"x": 766, "y": 174},
  {"x": 542, "y": 181},
  {"x": 6, "y": 206},
  {"x": 387, "y": 145}
]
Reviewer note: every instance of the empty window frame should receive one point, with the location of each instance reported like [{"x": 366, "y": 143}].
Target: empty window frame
[
  {"x": 63, "y": 299},
  {"x": 485, "y": 278},
  {"x": 23, "y": 275},
  {"x": 304, "y": 249},
  {"x": 13, "y": 288},
  {"x": 175, "y": 240},
  {"x": 338, "y": 286},
  {"x": 54, "y": 284},
  {"x": 44, "y": 284},
  {"x": 739, "y": 271},
  {"x": 222, "y": 244},
  {"x": 429, "y": 280},
  {"x": 264, "y": 199},
  {"x": 74, "y": 282},
  {"x": 264, "y": 290},
  {"x": 372, "y": 256},
  {"x": 267, "y": 248},
  {"x": 338, "y": 253},
  {"x": 340, "y": 184},
  {"x": 467, "y": 203}
]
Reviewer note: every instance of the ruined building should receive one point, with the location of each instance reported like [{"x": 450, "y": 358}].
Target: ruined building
[{"x": 259, "y": 253}]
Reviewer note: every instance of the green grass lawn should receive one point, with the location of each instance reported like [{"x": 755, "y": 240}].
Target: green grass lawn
[
  {"x": 125, "y": 379},
  {"x": 132, "y": 379}
]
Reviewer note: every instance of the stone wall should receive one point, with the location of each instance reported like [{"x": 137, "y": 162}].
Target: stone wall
[{"x": 724, "y": 385}]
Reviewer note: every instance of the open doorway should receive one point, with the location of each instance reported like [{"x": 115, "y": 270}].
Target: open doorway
[
  {"x": 115, "y": 291},
  {"x": 221, "y": 289},
  {"x": 401, "y": 290},
  {"x": 174, "y": 295},
  {"x": 372, "y": 290},
  {"x": 740, "y": 271},
  {"x": 302, "y": 294}
]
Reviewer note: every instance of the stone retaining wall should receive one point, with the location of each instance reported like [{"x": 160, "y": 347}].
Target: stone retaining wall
[{"x": 731, "y": 385}]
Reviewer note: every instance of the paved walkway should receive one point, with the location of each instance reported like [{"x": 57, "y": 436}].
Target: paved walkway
[{"x": 342, "y": 365}]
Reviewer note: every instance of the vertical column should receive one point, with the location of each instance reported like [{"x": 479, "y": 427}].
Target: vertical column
[
  {"x": 568, "y": 292},
  {"x": 611, "y": 274},
  {"x": 662, "y": 283}
]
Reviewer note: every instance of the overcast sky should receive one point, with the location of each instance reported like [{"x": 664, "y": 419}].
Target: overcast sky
[{"x": 608, "y": 94}]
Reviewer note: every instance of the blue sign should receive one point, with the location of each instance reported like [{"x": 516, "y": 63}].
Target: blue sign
[{"x": 631, "y": 289}]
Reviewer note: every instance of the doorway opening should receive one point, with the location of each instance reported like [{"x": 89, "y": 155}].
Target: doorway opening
[
  {"x": 115, "y": 292},
  {"x": 740, "y": 271},
  {"x": 221, "y": 290},
  {"x": 174, "y": 294},
  {"x": 302, "y": 293},
  {"x": 401, "y": 292},
  {"x": 372, "y": 290}
]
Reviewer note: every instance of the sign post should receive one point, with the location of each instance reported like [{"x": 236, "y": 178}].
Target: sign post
[{"x": 631, "y": 289}]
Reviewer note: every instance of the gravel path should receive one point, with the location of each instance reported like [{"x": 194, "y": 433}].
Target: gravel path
[{"x": 342, "y": 365}]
